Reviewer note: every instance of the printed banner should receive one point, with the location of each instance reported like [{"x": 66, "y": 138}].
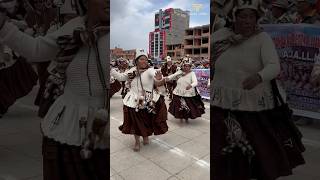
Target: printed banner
[
  {"x": 298, "y": 46},
  {"x": 203, "y": 75}
]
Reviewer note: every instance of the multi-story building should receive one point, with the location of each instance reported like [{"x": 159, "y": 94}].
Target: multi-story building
[
  {"x": 197, "y": 42},
  {"x": 119, "y": 52},
  {"x": 169, "y": 30},
  {"x": 175, "y": 51}
]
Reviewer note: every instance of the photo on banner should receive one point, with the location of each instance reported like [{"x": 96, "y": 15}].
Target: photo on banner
[{"x": 159, "y": 89}]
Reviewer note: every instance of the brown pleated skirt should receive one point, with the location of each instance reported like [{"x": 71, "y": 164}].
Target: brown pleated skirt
[
  {"x": 63, "y": 162},
  {"x": 273, "y": 157},
  {"x": 115, "y": 87},
  {"x": 16, "y": 81},
  {"x": 143, "y": 123},
  {"x": 195, "y": 105}
]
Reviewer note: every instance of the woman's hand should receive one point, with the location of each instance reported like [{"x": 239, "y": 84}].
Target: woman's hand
[
  {"x": 188, "y": 87},
  {"x": 158, "y": 75},
  {"x": 132, "y": 75},
  {"x": 251, "y": 82}
]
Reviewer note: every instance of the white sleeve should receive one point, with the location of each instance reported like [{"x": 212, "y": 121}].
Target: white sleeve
[
  {"x": 119, "y": 76},
  {"x": 194, "y": 81},
  {"x": 34, "y": 49},
  {"x": 172, "y": 76},
  {"x": 270, "y": 59},
  {"x": 152, "y": 72}
]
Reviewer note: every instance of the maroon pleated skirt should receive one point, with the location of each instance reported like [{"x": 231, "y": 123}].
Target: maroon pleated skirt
[
  {"x": 16, "y": 81},
  {"x": 143, "y": 123},
  {"x": 195, "y": 107},
  {"x": 276, "y": 143},
  {"x": 63, "y": 162},
  {"x": 115, "y": 87}
]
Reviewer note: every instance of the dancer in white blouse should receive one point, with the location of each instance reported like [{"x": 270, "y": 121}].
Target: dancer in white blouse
[
  {"x": 144, "y": 109},
  {"x": 17, "y": 76},
  {"x": 186, "y": 102}
]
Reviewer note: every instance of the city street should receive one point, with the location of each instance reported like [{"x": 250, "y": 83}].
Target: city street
[
  {"x": 20, "y": 141},
  {"x": 182, "y": 153}
]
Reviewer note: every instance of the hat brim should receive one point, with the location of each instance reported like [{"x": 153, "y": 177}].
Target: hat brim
[{"x": 136, "y": 59}]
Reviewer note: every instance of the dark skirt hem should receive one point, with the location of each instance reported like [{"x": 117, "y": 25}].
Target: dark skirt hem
[
  {"x": 195, "y": 105},
  {"x": 63, "y": 162},
  {"x": 276, "y": 142},
  {"x": 115, "y": 87},
  {"x": 143, "y": 123},
  {"x": 16, "y": 81}
]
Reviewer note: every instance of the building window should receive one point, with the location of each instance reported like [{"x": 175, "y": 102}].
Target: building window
[
  {"x": 156, "y": 20},
  {"x": 167, "y": 21}
]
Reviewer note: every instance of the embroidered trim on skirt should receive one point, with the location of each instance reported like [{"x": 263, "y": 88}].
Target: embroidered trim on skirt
[
  {"x": 16, "y": 81},
  {"x": 275, "y": 143},
  {"x": 143, "y": 123},
  {"x": 186, "y": 107},
  {"x": 63, "y": 162}
]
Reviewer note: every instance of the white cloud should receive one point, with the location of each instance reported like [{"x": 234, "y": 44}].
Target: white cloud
[
  {"x": 194, "y": 24},
  {"x": 182, "y": 4},
  {"x": 131, "y": 23}
]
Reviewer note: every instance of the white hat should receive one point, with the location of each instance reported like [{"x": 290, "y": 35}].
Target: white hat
[
  {"x": 140, "y": 52},
  {"x": 186, "y": 61},
  {"x": 168, "y": 58},
  {"x": 251, "y": 4}
]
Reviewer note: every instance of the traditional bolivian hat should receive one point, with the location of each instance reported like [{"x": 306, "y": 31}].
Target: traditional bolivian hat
[
  {"x": 139, "y": 53},
  {"x": 249, "y": 4},
  {"x": 186, "y": 61}
]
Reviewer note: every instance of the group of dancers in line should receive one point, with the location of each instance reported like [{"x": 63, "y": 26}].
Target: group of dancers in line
[{"x": 144, "y": 89}]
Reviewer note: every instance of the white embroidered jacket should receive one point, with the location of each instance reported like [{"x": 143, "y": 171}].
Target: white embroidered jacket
[{"x": 184, "y": 80}]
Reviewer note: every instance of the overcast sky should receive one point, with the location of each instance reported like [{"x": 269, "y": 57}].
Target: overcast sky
[{"x": 132, "y": 20}]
